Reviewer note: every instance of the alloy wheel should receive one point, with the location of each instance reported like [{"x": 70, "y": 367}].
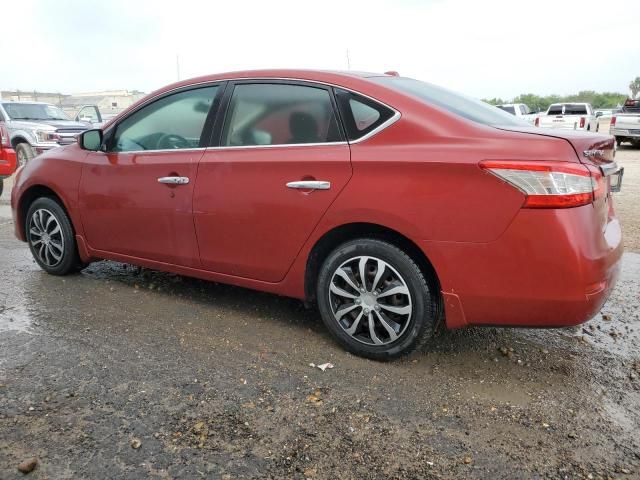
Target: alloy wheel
[
  {"x": 46, "y": 238},
  {"x": 370, "y": 300}
]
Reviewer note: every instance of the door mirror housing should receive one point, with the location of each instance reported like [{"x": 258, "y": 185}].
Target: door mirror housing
[{"x": 91, "y": 140}]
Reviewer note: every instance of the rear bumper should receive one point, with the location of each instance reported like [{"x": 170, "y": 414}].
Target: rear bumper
[
  {"x": 622, "y": 132},
  {"x": 551, "y": 268}
]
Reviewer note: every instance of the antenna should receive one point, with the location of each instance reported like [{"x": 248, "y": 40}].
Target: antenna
[
  {"x": 348, "y": 60},
  {"x": 178, "y": 66}
]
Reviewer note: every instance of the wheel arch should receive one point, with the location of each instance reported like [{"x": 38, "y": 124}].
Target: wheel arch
[
  {"x": 18, "y": 139},
  {"x": 32, "y": 194},
  {"x": 344, "y": 233}
]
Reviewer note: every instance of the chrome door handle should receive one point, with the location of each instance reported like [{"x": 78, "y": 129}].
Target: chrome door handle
[
  {"x": 174, "y": 180},
  {"x": 310, "y": 185}
]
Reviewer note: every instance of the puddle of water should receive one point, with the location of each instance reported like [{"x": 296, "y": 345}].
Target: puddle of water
[{"x": 15, "y": 317}]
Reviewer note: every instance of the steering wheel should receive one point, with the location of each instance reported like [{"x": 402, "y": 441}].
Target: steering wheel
[{"x": 170, "y": 141}]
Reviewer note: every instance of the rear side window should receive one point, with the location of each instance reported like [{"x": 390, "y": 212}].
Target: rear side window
[
  {"x": 361, "y": 115},
  {"x": 555, "y": 110},
  {"x": 172, "y": 122},
  {"x": 280, "y": 114},
  {"x": 508, "y": 109}
]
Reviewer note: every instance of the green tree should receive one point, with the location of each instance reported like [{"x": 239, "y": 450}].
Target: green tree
[{"x": 634, "y": 86}]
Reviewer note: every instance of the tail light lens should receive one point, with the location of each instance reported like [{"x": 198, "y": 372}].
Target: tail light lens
[
  {"x": 582, "y": 120},
  {"x": 549, "y": 184},
  {"x": 613, "y": 121},
  {"x": 537, "y": 122},
  {"x": 5, "y": 141}
]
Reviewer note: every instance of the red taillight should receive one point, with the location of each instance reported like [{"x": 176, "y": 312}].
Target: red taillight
[
  {"x": 582, "y": 120},
  {"x": 548, "y": 184},
  {"x": 613, "y": 121},
  {"x": 5, "y": 141},
  {"x": 537, "y": 122}
]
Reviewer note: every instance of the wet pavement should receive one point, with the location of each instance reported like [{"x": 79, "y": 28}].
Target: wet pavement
[{"x": 121, "y": 372}]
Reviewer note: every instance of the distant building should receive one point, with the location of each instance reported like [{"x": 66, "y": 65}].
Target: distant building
[{"x": 108, "y": 101}]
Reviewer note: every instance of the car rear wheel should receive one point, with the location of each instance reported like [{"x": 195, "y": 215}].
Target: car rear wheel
[
  {"x": 24, "y": 152},
  {"x": 375, "y": 300},
  {"x": 51, "y": 238}
]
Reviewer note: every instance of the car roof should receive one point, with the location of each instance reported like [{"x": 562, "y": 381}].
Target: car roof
[
  {"x": 28, "y": 102},
  {"x": 339, "y": 77}
]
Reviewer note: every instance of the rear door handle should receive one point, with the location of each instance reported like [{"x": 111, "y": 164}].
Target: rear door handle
[
  {"x": 174, "y": 180},
  {"x": 310, "y": 185}
]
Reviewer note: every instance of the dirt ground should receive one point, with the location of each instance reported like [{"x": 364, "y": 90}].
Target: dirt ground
[{"x": 120, "y": 372}]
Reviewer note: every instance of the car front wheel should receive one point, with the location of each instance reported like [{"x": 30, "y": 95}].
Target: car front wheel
[
  {"x": 51, "y": 238},
  {"x": 375, "y": 300},
  {"x": 24, "y": 153}
]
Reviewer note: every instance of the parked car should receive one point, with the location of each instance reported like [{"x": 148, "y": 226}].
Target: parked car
[
  {"x": 35, "y": 127},
  {"x": 7, "y": 156},
  {"x": 569, "y": 116},
  {"x": 519, "y": 110},
  {"x": 91, "y": 114},
  {"x": 603, "y": 118},
  {"x": 625, "y": 126},
  {"x": 394, "y": 204}
]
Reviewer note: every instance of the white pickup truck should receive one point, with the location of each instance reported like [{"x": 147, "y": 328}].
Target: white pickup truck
[
  {"x": 625, "y": 126},
  {"x": 568, "y": 116},
  {"x": 520, "y": 110}
]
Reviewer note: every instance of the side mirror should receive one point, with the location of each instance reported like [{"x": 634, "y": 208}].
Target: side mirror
[
  {"x": 599, "y": 114},
  {"x": 90, "y": 140}
]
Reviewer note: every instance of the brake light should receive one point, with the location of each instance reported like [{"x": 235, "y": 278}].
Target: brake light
[
  {"x": 5, "y": 141},
  {"x": 613, "y": 121},
  {"x": 537, "y": 122},
  {"x": 548, "y": 184},
  {"x": 582, "y": 120}
]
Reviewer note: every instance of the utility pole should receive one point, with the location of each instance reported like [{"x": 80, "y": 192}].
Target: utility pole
[{"x": 178, "y": 66}]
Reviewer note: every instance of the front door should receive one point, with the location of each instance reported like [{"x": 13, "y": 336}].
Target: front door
[
  {"x": 136, "y": 197},
  {"x": 281, "y": 162}
]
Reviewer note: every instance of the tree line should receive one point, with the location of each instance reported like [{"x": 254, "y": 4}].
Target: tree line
[{"x": 541, "y": 103}]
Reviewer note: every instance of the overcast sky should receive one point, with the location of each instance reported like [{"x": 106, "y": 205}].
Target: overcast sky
[{"x": 483, "y": 48}]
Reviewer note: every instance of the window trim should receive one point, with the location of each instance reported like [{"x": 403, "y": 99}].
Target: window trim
[
  {"x": 109, "y": 133},
  {"x": 217, "y": 115},
  {"x": 389, "y": 121},
  {"x": 216, "y": 137}
]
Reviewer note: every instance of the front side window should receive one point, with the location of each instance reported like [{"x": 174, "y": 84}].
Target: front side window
[
  {"x": 279, "y": 114},
  {"x": 173, "y": 122}
]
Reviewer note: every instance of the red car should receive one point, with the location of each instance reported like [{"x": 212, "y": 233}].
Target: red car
[
  {"x": 8, "y": 162},
  {"x": 394, "y": 204}
]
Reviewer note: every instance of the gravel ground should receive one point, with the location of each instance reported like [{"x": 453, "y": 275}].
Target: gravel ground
[{"x": 120, "y": 372}]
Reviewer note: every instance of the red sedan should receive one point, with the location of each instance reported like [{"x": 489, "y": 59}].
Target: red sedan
[
  {"x": 394, "y": 204},
  {"x": 8, "y": 161}
]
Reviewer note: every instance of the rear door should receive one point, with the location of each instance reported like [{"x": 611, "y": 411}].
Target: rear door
[{"x": 279, "y": 160}]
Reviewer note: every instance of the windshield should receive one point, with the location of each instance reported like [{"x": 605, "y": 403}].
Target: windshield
[
  {"x": 33, "y": 111},
  {"x": 456, "y": 103}
]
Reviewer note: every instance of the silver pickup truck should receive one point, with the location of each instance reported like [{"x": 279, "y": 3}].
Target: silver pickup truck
[
  {"x": 35, "y": 127},
  {"x": 625, "y": 126}
]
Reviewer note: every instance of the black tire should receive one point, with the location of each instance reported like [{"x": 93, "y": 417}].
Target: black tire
[
  {"x": 412, "y": 333},
  {"x": 24, "y": 153},
  {"x": 43, "y": 250},
  {"x": 635, "y": 144},
  {"x": 1, "y": 185}
]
